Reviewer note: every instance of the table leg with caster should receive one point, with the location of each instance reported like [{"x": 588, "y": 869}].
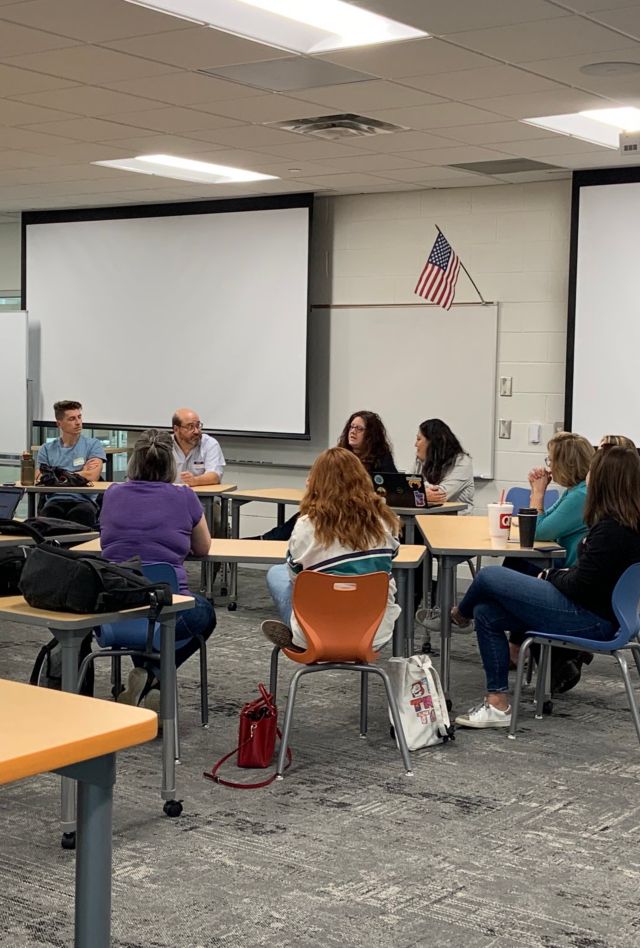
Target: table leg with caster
[{"x": 172, "y": 807}]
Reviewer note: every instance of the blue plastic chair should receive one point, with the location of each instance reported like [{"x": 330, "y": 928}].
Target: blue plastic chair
[
  {"x": 626, "y": 605},
  {"x": 519, "y": 497},
  {"x": 135, "y": 633}
]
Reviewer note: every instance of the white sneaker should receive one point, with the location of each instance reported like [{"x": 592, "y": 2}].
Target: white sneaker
[
  {"x": 429, "y": 619},
  {"x": 136, "y": 683},
  {"x": 485, "y": 715}
]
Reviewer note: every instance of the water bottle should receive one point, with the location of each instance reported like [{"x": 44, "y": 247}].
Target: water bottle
[{"x": 27, "y": 469}]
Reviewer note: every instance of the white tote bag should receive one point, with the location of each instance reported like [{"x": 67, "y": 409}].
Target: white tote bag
[{"x": 422, "y": 704}]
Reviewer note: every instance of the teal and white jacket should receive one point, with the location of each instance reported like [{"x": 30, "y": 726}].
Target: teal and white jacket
[{"x": 306, "y": 553}]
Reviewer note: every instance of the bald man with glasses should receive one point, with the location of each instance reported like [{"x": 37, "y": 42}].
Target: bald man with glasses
[{"x": 199, "y": 458}]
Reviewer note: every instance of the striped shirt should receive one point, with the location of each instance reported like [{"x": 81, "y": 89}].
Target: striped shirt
[{"x": 305, "y": 552}]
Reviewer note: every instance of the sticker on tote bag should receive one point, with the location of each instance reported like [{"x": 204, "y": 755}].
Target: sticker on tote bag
[{"x": 422, "y": 702}]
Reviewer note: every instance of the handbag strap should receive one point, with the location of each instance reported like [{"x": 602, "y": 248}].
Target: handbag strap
[{"x": 213, "y": 773}]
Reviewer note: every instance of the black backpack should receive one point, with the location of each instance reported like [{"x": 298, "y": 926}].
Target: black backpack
[
  {"x": 47, "y": 668},
  {"x": 72, "y": 581}
]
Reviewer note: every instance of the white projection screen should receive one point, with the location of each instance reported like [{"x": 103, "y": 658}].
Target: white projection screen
[
  {"x": 603, "y": 383},
  {"x": 142, "y": 310}
]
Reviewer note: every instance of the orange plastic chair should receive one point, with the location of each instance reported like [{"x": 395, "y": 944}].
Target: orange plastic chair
[{"x": 339, "y": 616}]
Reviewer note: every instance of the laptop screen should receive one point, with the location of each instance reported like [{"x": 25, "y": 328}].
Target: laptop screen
[{"x": 10, "y": 497}]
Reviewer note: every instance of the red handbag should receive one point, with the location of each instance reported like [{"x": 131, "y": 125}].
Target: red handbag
[{"x": 256, "y": 741}]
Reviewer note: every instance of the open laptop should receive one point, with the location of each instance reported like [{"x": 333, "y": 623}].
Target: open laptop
[
  {"x": 10, "y": 497},
  {"x": 401, "y": 490}
]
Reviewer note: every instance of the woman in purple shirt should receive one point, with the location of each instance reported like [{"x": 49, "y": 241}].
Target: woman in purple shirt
[{"x": 161, "y": 522}]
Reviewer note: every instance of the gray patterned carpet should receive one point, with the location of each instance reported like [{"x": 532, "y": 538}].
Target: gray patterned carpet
[{"x": 492, "y": 844}]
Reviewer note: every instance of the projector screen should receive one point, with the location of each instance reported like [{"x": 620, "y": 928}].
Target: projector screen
[
  {"x": 140, "y": 311},
  {"x": 602, "y": 393}
]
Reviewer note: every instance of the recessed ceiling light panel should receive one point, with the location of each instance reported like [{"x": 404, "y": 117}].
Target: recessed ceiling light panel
[
  {"x": 184, "y": 169},
  {"x": 577, "y": 125},
  {"x": 609, "y": 69},
  {"x": 302, "y": 26}
]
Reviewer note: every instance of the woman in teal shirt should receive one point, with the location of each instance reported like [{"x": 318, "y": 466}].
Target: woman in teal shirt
[{"x": 567, "y": 464}]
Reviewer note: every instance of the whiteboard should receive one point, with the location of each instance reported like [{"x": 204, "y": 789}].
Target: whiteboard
[
  {"x": 408, "y": 363},
  {"x": 411, "y": 363},
  {"x": 14, "y": 421}
]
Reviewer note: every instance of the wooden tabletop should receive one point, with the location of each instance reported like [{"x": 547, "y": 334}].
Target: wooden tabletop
[
  {"x": 110, "y": 449},
  {"x": 15, "y": 539},
  {"x": 96, "y": 487},
  {"x": 263, "y": 551},
  {"x": 42, "y": 729},
  {"x": 469, "y": 536},
  {"x": 16, "y": 609},
  {"x": 213, "y": 490}
]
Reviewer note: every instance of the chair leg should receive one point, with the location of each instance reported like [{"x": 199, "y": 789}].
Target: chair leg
[
  {"x": 544, "y": 666},
  {"x": 397, "y": 720},
  {"x": 472, "y": 568},
  {"x": 176, "y": 728},
  {"x": 515, "y": 702},
  {"x": 116, "y": 676},
  {"x": 635, "y": 651},
  {"x": 204, "y": 682},
  {"x": 530, "y": 666},
  {"x": 364, "y": 696},
  {"x": 631, "y": 698},
  {"x": 273, "y": 673},
  {"x": 288, "y": 717},
  {"x": 84, "y": 667}
]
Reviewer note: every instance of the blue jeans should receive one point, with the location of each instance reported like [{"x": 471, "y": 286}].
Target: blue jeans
[
  {"x": 280, "y": 585},
  {"x": 502, "y": 600},
  {"x": 201, "y": 620}
]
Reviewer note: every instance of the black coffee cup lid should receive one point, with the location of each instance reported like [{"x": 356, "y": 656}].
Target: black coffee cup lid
[{"x": 528, "y": 510}]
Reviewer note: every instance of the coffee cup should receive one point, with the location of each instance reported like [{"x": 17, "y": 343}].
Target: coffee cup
[
  {"x": 499, "y": 520},
  {"x": 527, "y": 519}
]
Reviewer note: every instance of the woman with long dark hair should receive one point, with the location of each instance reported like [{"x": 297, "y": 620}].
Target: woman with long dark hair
[
  {"x": 444, "y": 464},
  {"x": 345, "y": 529},
  {"x": 574, "y": 601}
]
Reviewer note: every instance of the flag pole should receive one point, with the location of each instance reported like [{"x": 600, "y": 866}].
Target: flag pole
[{"x": 482, "y": 299}]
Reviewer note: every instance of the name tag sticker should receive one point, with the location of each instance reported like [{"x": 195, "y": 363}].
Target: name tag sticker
[{"x": 78, "y": 462}]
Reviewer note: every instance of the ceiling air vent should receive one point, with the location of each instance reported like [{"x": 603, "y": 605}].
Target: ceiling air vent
[{"x": 335, "y": 127}]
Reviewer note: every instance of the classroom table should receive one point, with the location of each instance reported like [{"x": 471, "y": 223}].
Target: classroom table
[
  {"x": 293, "y": 495},
  {"x": 70, "y": 628},
  {"x": 33, "y": 490},
  {"x": 208, "y": 495},
  {"x": 271, "y": 552},
  {"x": 78, "y": 738},
  {"x": 456, "y": 539},
  {"x": 19, "y": 539}
]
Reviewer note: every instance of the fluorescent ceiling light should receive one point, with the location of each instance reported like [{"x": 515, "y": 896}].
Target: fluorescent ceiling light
[
  {"x": 624, "y": 119},
  {"x": 184, "y": 169},
  {"x": 302, "y": 26},
  {"x": 578, "y": 126}
]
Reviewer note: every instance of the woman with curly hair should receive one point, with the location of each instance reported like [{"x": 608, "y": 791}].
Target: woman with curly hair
[
  {"x": 344, "y": 529},
  {"x": 365, "y": 436}
]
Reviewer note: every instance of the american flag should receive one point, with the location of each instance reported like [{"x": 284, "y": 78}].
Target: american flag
[{"x": 437, "y": 282}]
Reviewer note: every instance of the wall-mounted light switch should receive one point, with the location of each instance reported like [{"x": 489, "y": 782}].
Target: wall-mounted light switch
[
  {"x": 506, "y": 384},
  {"x": 558, "y": 426},
  {"x": 535, "y": 432},
  {"x": 504, "y": 428}
]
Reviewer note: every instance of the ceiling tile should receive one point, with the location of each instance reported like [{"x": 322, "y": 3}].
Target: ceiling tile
[
  {"x": 437, "y": 18},
  {"x": 270, "y": 108},
  {"x": 85, "y": 100},
  {"x": 171, "y": 119},
  {"x": 93, "y": 21},
  {"x": 310, "y": 149},
  {"x": 288, "y": 74},
  {"x": 17, "y": 113},
  {"x": 345, "y": 179},
  {"x": 151, "y": 144},
  {"x": 434, "y": 175},
  {"x": 197, "y": 48},
  {"x": 457, "y": 154},
  {"x": 588, "y": 6},
  {"x": 413, "y": 58},
  {"x": 403, "y": 141},
  {"x": 374, "y": 94},
  {"x": 90, "y": 64},
  {"x": 18, "y": 40},
  {"x": 248, "y": 136},
  {"x": 434, "y": 116},
  {"x": 567, "y": 69},
  {"x": 369, "y": 163},
  {"x": 555, "y": 145},
  {"x": 469, "y": 84},
  {"x": 183, "y": 88},
  {"x": 86, "y": 129},
  {"x": 495, "y": 133},
  {"x": 626, "y": 20},
  {"x": 564, "y": 36},
  {"x": 15, "y": 82},
  {"x": 542, "y": 103}
]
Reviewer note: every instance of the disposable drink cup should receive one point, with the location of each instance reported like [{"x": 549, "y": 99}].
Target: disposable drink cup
[
  {"x": 499, "y": 520},
  {"x": 527, "y": 518}
]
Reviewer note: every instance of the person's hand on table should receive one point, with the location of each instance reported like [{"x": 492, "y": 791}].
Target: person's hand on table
[
  {"x": 539, "y": 478},
  {"x": 436, "y": 495},
  {"x": 186, "y": 477}
]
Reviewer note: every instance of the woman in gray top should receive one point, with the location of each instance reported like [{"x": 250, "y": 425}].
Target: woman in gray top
[{"x": 444, "y": 464}]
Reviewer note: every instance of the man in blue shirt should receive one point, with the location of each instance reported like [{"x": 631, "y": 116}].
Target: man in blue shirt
[{"x": 75, "y": 452}]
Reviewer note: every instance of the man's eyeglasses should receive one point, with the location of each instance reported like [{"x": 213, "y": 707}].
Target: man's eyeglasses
[
  {"x": 358, "y": 428},
  {"x": 192, "y": 426}
]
